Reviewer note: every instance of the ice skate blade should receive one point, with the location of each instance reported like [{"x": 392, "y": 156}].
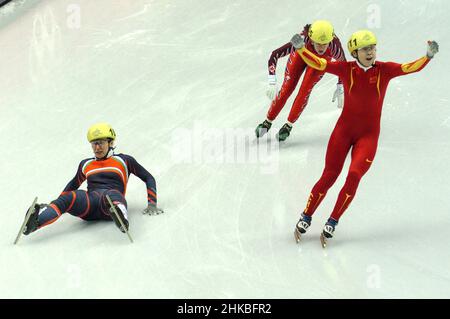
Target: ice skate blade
[
  {"x": 323, "y": 240},
  {"x": 297, "y": 235},
  {"x": 261, "y": 133},
  {"x": 27, "y": 217},
  {"x": 113, "y": 210}
]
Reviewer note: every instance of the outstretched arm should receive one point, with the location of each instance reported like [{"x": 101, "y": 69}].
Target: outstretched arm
[
  {"x": 315, "y": 62},
  {"x": 138, "y": 170},
  {"x": 397, "y": 69}
]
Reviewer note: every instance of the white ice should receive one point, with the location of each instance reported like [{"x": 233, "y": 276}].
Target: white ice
[{"x": 157, "y": 68}]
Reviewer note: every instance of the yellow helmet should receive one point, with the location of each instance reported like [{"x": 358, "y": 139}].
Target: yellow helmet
[
  {"x": 321, "y": 32},
  {"x": 361, "y": 39},
  {"x": 99, "y": 131}
]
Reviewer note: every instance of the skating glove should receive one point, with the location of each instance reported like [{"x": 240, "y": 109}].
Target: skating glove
[
  {"x": 339, "y": 95},
  {"x": 297, "y": 41},
  {"x": 432, "y": 49},
  {"x": 272, "y": 86},
  {"x": 152, "y": 210}
]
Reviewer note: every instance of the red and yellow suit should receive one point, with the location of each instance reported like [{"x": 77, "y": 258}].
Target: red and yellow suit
[{"x": 358, "y": 127}]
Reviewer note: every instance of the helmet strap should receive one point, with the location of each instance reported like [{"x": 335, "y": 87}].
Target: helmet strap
[{"x": 108, "y": 154}]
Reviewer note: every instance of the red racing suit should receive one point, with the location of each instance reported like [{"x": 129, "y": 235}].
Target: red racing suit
[
  {"x": 294, "y": 69},
  {"x": 358, "y": 127}
]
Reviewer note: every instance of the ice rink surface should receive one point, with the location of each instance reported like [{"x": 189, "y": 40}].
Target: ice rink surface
[{"x": 177, "y": 79}]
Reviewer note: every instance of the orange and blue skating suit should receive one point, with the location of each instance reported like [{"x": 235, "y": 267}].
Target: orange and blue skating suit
[
  {"x": 358, "y": 127},
  {"x": 104, "y": 177}
]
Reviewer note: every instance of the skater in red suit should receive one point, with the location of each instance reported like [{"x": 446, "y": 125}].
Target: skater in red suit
[
  {"x": 106, "y": 174},
  {"x": 357, "y": 129},
  {"x": 320, "y": 39}
]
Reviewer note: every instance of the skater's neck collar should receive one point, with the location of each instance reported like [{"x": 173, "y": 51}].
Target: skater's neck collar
[{"x": 365, "y": 68}]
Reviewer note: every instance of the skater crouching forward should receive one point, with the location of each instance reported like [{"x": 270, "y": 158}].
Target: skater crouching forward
[
  {"x": 106, "y": 174},
  {"x": 357, "y": 129},
  {"x": 319, "y": 38}
]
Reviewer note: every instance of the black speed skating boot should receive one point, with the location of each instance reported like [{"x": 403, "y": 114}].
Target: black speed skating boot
[
  {"x": 330, "y": 226},
  {"x": 33, "y": 221},
  {"x": 328, "y": 231},
  {"x": 122, "y": 215},
  {"x": 263, "y": 128},
  {"x": 302, "y": 226},
  {"x": 284, "y": 132}
]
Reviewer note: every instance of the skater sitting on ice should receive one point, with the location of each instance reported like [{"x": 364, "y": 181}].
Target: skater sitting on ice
[
  {"x": 106, "y": 174},
  {"x": 358, "y": 128}
]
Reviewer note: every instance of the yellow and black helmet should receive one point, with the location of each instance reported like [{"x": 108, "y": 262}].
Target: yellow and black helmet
[
  {"x": 321, "y": 32},
  {"x": 361, "y": 39},
  {"x": 99, "y": 131}
]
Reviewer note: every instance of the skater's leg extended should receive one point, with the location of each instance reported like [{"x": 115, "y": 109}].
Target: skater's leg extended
[
  {"x": 76, "y": 203},
  {"x": 337, "y": 150},
  {"x": 294, "y": 70},
  {"x": 309, "y": 81},
  {"x": 363, "y": 153}
]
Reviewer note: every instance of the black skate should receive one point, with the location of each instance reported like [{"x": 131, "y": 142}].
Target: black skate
[
  {"x": 118, "y": 217},
  {"x": 302, "y": 226},
  {"x": 328, "y": 231},
  {"x": 33, "y": 221},
  {"x": 115, "y": 218},
  {"x": 25, "y": 221},
  {"x": 284, "y": 132},
  {"x": 263, "y": 128}
]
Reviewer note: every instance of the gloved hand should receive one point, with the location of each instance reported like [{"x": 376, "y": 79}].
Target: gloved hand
[
  {"x": 152, "y": 210},
  {"x": 432, "y": 49},
  {"x": 339, "y": 95},
  {"x": 272, "y": 86},
  {"x": 297, "y": 41}
]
